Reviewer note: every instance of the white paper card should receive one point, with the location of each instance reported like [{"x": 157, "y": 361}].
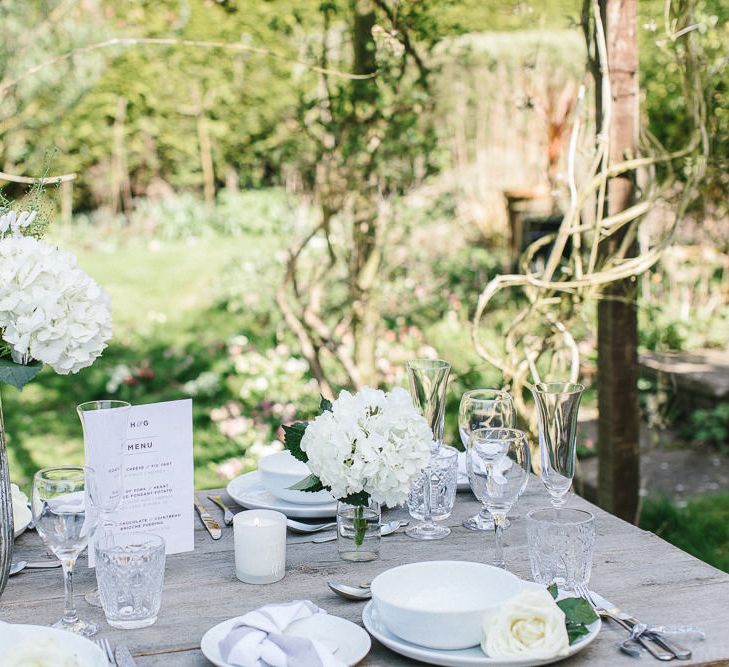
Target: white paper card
[{"x": 159, "y": 483}]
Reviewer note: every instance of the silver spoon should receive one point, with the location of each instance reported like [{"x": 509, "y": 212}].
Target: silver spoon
[
  {"x": 385, "y": 529},
  {"x": 21, "y": 565},
  {"x": 350, "y": 592},
  {"x": 300, "y": 527}
]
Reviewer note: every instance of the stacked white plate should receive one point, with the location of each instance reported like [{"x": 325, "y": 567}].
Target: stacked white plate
[
  {"x": 432, "y": 612},
  {"x": 268, "y": 488}
]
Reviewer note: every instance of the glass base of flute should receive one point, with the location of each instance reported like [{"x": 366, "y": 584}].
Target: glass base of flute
[{"x": 482, "y": 521}]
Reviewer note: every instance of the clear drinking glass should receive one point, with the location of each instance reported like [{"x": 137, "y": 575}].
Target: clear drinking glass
[
  {"x": 358, "y": 531},
  {"x": 130, "y": 571},
  {"x": 557, "y": 407},
  {"x": 105, "y": 425},
  {"x": 483, "y": 408},
  {"x": 500, "y": 463},
  {"x": 65, "y": 517},
  {"x": 428, "y": 384},
  {"x": 560, "y": 546},
  {"x": 441, "y": 480}
]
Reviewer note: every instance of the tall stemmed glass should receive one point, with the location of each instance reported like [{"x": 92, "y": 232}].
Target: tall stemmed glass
[
  {"x": 65, "y": 518},
  {"x": 483, "y": 408},
  {"x": 557, "y": 407},
  {"x": 501, "y": 457},
  {"x": 105, "y": 430},
  {"x": 428, "y": 383}
]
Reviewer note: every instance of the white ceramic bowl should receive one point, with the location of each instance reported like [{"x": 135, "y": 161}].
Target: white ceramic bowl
[
  {"x": 280, "y": 471},
  {"x": 441, "y": 604}
]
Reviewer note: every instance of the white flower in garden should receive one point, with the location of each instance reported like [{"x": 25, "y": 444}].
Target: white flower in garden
[
  {"x": 529, "y": 625},
  {"x": 50, "y": 309},
  {"x": 12, "y": 222},
  {"x": 370, "y": 441}
]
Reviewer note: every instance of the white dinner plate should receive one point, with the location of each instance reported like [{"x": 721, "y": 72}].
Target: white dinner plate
[
  {"x": 469, "y": 657},
  {"x": 247, "y": 490},
  {"x": 350, "y": 642},
  {"x": 86, "y": 652}
]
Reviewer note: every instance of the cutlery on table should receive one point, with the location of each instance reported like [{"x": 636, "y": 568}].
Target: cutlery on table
[
  {"x": 124, "y": 657},
  {"x": 357, "y": 593},
  {"x": 303, "y": 527},
  {"x": 105, "y": 646},
  {"x": 385, "y": 529},
  {"x": 213, "y": 527},
  {"x": 227, "y": 514},
  {"x": 647, "y": 641},
  {"x": 681, "y": 652},
  {"x": 21, "y": 565}
]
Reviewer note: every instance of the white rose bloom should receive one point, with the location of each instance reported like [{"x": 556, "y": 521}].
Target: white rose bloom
[
  {"x": 528, "y": 625},
  {"x": 21, "y": 512},
  {"x": 50, "y": 309},
  {"x": 370, "y": 441}
]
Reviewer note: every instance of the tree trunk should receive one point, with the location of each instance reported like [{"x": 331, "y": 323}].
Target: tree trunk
[
  {"x": 617, "y": 321},
  {"x": 366, "y": 256}
]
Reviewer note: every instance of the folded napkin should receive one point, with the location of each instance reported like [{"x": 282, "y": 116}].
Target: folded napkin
[{"x": 258, "y": 639}]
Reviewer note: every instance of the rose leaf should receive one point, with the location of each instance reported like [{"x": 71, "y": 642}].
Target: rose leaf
[{"x": 577, "y": 611}]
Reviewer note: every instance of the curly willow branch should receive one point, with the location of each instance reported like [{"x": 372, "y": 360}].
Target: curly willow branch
[{"x": 566, "y": 282}]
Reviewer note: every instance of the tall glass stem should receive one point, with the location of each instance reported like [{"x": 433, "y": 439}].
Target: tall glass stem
[
  {"x": 69, "y": 609},
  {"x": 499, "y": 520}
]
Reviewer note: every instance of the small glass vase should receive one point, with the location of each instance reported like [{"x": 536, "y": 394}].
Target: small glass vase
[{"x": 358, "y": 531}]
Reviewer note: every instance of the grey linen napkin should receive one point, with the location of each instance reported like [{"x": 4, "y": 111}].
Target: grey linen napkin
[{"x": 258, "y": 639}]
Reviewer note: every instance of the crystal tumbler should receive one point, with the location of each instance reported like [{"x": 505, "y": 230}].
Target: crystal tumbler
[
  {"x": 130, "y": 570},
  {"x": 560, "y": 546}
]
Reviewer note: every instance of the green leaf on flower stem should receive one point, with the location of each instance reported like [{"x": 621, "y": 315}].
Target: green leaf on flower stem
[
  {"x": 577, "y": 611},
  {"x": 292, "y": 440},
  {"x": 362, "y": 498},
  {"x": 575, "y": 631},
  {"x": 552, "y": 588},
  {"x": 325, "y": 405},
  {"x": 18, "y": 375},
  {"x": 310, "y": 484}
]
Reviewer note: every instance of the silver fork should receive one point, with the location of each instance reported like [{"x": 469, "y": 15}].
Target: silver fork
[
  {"x": 648, "y": 643},
  {"x": 227, "y": 514},
  {"x": 105, "y": 646}
]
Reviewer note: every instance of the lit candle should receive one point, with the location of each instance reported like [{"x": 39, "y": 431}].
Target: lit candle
[{"x": 260, "y": 546}]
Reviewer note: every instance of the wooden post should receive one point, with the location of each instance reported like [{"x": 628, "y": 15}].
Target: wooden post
[{"x": 617, "y": 319}]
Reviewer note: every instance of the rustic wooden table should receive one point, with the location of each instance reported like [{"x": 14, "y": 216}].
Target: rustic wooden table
[{"x": 633, "y": 568}]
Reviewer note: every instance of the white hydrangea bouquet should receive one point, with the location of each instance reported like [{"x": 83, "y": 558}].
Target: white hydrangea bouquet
[
  {"x": 369, "y": 445},
  {"x": 51, "y": 311}
]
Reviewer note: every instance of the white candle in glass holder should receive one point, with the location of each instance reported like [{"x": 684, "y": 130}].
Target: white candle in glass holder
[{"x": 260, "y": 546}]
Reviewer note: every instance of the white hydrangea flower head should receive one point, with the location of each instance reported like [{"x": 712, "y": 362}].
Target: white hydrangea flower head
[
  {"x": 371, "y": 441},
  {"x": 12, "y": 222},
  {"x": 50, "y": 309}
]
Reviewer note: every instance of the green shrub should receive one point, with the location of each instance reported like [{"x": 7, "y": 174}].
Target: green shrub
[{"x": 710, "y": 426}]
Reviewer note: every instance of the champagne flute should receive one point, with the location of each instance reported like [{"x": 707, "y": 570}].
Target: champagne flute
[
  {"x": 65, "y": 517},
  {"x": 501, "y": 457},
  {"x": 557, "y": 406},
  {"x": 428, "y": 384},
  {"x": 483, "y": 408},
  {"x": 104, "y": 426}
]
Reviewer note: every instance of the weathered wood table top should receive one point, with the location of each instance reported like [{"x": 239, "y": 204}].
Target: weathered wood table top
[{"x": 634, "y": 569}]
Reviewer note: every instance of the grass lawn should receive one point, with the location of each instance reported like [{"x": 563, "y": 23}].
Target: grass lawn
[{"x": 166, "y": 330}]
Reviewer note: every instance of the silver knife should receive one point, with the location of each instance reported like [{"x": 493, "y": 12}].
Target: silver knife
[
  {"x": 216, "y": 532},
  {"x": 123, "y": 657},
  {"x": 681, "y": 652}
]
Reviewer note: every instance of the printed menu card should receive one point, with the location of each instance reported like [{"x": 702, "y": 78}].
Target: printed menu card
[{"x": 158, "y": 475}]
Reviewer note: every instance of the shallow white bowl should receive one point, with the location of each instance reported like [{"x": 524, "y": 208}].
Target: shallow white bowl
[
  {"x": 441, "y": 604},
  {"x": 280, "y": 471}
]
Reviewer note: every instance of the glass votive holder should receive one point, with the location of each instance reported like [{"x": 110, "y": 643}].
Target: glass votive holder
[
  {"x": 259, "y": 537},
  {"x": 561, "y": 543},
  {"x": 130, "y": 572}
]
